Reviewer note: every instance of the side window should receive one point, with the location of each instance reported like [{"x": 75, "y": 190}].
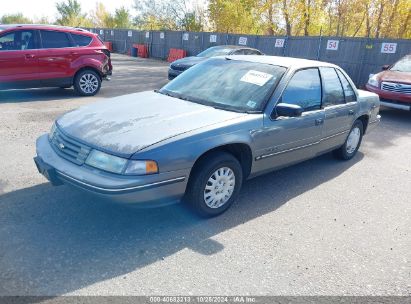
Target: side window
[
  {"x": 54, "y": 40},
  {"x": 81, "y": 40},
  {"x": 304, "y": 90},
  {"x": 348, "y": 90},
  {"x": 239, "y": 52},
  {"x": 333, "y": 92},
  {"x": 19, "y": 40},
  {"x": 251, "y": 52}
]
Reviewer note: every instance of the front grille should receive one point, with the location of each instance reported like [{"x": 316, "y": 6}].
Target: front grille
[
  {"x": 178, "y": 67},
  {"x": 68, "y": 148},
  {"x": 396, "y": 87}
]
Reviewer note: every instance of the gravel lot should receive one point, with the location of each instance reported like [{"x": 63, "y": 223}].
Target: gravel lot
[{"x": 323, "y": 227}]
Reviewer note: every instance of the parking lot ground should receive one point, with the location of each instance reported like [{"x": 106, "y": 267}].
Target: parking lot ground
[{"x": 323, "y": 227}]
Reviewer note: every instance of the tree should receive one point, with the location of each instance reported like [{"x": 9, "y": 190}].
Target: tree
[
  {"x": 15, "y": 19},
  {"x": 100, "y": 16},
  {"x": 122, "y": 18},
  {"x": 70, "y": 14}
]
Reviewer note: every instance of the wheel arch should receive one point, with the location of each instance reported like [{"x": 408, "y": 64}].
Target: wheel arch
[
  {"x": 364, "y": 119},
  {"x": 241, "y": 151}
]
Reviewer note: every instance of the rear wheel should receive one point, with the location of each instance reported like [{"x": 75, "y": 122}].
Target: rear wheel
[
  {"x": 214, "y": 184},
  {"x": 352, "y": 143},
  {"x": 87, "y": 83}
]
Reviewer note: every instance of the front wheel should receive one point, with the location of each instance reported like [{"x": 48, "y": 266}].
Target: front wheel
[
  {"x": 352, "y": 143},
  {"x": 87, "y": 83},
  {"x": 214, "y": 184}
]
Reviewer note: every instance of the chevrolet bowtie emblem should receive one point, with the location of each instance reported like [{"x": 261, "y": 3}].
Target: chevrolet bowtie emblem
[{"x": 61, "y": 146}]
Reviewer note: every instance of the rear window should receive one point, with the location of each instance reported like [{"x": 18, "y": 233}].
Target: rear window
[
  {"x": 81, "y": 40},
  {"x": 54, "y": 40}
]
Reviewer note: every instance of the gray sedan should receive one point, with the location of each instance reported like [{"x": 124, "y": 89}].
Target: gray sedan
[{"x": 202, "y": 135}]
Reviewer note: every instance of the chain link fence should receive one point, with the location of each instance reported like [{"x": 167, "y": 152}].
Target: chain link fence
[{"x": 359, "y": 57}]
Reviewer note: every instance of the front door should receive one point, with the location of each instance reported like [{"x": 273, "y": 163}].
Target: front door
[
  {"x": 18, "y": 59},
  {"x": 287, "y": 140}
]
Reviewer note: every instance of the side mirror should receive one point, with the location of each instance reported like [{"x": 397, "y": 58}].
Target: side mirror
[
  {"x": 289, "y": 110},
  {"x": 385, "y": 67}
]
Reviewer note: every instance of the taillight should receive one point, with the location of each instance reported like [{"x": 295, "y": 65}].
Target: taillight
[{"x": 107, "y": 52}]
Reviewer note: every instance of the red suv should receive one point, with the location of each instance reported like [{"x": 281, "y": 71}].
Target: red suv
[{"x": 33, "y": 56}]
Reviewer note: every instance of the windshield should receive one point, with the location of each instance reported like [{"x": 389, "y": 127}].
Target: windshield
[
  {"x": 215, "y": 51},
  {"x": 403, "y": 65},
  {"x": 233, "y": 85}
]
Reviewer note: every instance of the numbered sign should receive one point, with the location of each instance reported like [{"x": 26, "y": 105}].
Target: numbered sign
[
  {"x": 213, "y": 38},
  {"x": 161, "y": 35},
  {"x": 389, "y": 48},
  {"x": 279, "y": 43},
  {"x": 242, "y": 41},
  {"x": 112, "y": 33},
  {"x": 101, "y": 32},
  {"x": 332, "y": 45},
  {"x": 129, "y": 33},
  {"x": 185, "y": 36},
  {"x": 147, "y": 34}
]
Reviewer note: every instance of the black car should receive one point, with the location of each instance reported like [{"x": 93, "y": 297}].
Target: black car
[{"x": 179, "y": 66}]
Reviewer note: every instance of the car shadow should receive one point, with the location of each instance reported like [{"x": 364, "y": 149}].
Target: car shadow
[
  {"x": 56, "y": 240},
  {"x": 394, "y": 124},
  {"x": 41, "y": 94}
]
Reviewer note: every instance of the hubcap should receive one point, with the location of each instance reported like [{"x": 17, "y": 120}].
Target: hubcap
[
  {"x": 88, "y": 83},
  {"x": 219, "y": 187},
  {"x": 353, "y": 140}
]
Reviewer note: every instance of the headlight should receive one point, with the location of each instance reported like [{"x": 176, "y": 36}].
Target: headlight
[
  {"x": 115, "y": 164},
  {"x": 141, "y": 167},
  {"x": 373, "y": 81},
  {"x": 107, "y": 162}
]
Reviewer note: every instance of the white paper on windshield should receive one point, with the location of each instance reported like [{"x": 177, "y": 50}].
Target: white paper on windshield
[{"x": 256, "y": 77}]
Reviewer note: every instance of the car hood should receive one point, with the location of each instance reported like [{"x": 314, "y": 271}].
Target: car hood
[
  {"x": 129, "y": 123},
  {"x": 188, "y": 61},
  {"x": 393, "y": 76}
]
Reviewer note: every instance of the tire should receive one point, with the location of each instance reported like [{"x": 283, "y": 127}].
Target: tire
[
  {"x": 352, "y": 143},
  {"x": 87, "y": 83},
  {"x": 225, "y": 169}
]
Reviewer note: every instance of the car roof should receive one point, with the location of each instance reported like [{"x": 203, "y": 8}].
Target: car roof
[
  {"x": 288, "y": 62},
  {"x": 42, "y": 26}
]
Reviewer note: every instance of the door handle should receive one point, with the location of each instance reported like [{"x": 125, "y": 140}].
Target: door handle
[
  {"x": 351, "y": 112},
  {"x": 73, "y": 53},
  {"x": 30, "y": 56},
  {"x": 319, "y": 121}
]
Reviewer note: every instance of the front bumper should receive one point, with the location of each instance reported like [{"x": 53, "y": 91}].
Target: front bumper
[
  {"x": 391, "y": 99},
  {"x": 151, "y": 190}
]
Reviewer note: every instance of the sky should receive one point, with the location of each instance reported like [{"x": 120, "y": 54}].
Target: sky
[{"x": 47, "y": 8}]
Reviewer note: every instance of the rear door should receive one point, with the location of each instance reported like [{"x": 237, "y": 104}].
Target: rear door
[
  {"x": 287, "y": 140},
  {"x": 55, "y": 58},
  {"x": 19, "y": 59},
  {"x": 340, "y": 106}
]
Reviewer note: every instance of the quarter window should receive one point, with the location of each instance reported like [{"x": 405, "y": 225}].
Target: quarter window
[
  {"x": 19, "y": 40},
  {"x": 81, "y": 40},
  {"x": 54, "y": 40},
  {"x": 348, "y": 90},
  {"x": 333, "y": 92},
  {"x": 304, "y": 90}
]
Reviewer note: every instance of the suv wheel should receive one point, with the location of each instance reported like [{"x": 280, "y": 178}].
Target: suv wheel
[
  {"x": 87, "y": 83},
  {"x": 352, "y": 143},
  {"x": 214, "y": 184}
]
